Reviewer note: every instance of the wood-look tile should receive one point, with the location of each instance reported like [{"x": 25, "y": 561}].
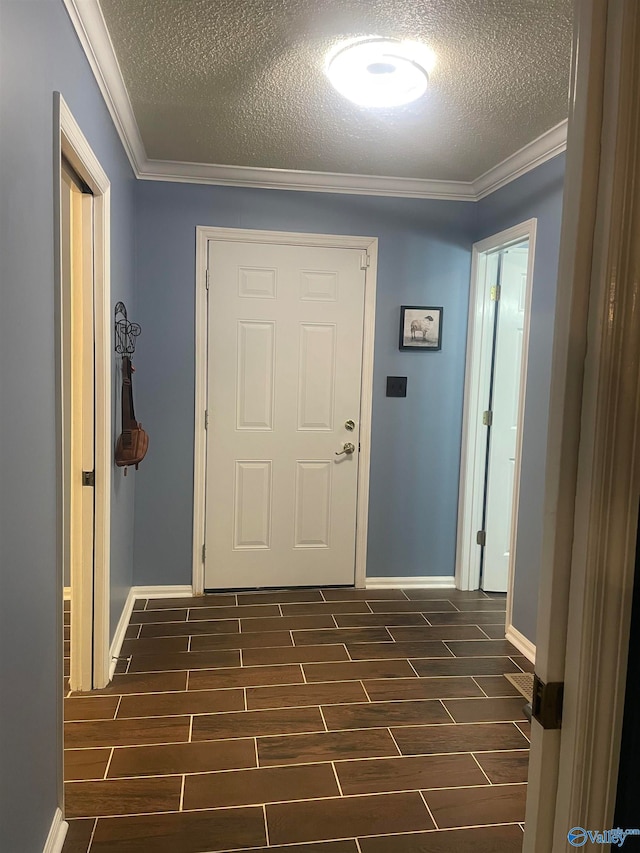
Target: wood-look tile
[
  {"x": 305, "y": 694},
  {"x": 488, "y": 604},
  {"x": 184, "y": 702},
  {"x": 464, "y": 666},
  {"x": 496, "y": 685},
  {"x": 94, "y": 708},
  {"x": 208, "y": 600},
  {"x": 473, "y": 806},
  {"x": 184, "y": 661},
  {"x": 390, "y": 689},
  {"x": 342, "y": 635},
  {"x": 140, "y": 604},
  {"x": 246, "y": 676},
  {"x": 349, "y": 594},
  {"x": 66, "y": 618},
  {"x": 296, "y": 654},
  {"x": 66, "y": 605},
  {"x": 357, "y": 670},
  {"x": 450, "y": 594},
  {"x": 438, "y": 632},
  {"x": 122, "y": 796},
  {"x": 166, "y": 759},
  {"x": 346, "y": 817},
  {"x": 408, "y": 774},
  {"x": 486, "y": 710},
  {"x": 249, "y": 611},
  {"x": 371, "y": 620},
  {"x": 66, "y": 632},
  {"x": 525, "y": 728},
  {"x": 142, "y": 617},
  {"x": 154, "y": 646},
  {"x": 289, "y": 596},
  {"x": 475, "y": 617},
  {"x": 435, "y": 605},
  {"x": 146, "y": 682},
  {"x": 66, "y": 648},
  {"x": 132, "y": 632},
  {"x": 186, "y": 832},
  {"x": 327, "y": 607},
  {"x": 263, "y": 785},
  {"x": 66, "y": 669},
  {"x": 495, "y": 632},
  {"x": 82, "y": 764},
  {"x": 480, "y": 648},
  {"x": 524, "y": 663},
  {"x": 482, "y": 839},
  {"x": 325, "y": 746},
  {"x": 256, "y": 640},
  {"x": 381, "y": 714},
  {"x": 122, "y": 732},
  {"x": 255, "y": 723},
  {"x": 191, "y": 628},
  {"x": 346, "y": 846},
  {"x": 505, "y": 767},
  {"x": 484, "y": 737},
  {"x": 288, "y": 623},
  {"x": 78, "y": 835},
  {"x": 388, "y": 651}
]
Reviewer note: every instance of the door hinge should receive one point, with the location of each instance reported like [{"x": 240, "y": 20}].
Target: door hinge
[
  {"x": 487, "y": 418},
  {"x": 481, "y": 537},
  {"x": 547, "y": 703},
  {"x": 495, "y": 293},
  {"x": 206, "y": 418},
  {"x": 88, "y": 478},
  {"x": 206, "y": 280},
  {"x": 204, "y": 553},
  {"x": 365, "y": 261}
]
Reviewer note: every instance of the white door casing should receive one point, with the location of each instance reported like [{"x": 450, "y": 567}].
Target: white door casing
[
  {"x": 505, "y": 407},
  {"x": 290, "y": 334}
]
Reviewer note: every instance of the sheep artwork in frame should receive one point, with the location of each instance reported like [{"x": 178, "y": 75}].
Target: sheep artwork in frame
[{"x": 420, "y": 328}]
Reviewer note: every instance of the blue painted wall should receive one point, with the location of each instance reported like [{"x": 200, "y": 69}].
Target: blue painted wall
[
  {"x": 39, "y": 53},
  {"x": 424, "y": 258},
  {"x": 537, "y": 194}
]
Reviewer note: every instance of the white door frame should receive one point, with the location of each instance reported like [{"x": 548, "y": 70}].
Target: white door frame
[
  {"x": 369, "y": 246},
  {"x": 476, "y": 393},
  {"x": 90, "y": 620}
]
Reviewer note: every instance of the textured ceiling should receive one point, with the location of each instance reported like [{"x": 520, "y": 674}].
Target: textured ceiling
[{"x": 241, "y": 82}]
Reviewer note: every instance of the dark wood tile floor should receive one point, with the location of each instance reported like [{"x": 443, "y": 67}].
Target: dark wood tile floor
[{"x": 329, "y": 721}]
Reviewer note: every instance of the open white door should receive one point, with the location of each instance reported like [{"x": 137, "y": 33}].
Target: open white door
[{"x": 592, "y": 471}]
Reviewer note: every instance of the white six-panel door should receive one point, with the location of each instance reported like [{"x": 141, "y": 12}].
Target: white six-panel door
[{"x": 285, "y": 328}]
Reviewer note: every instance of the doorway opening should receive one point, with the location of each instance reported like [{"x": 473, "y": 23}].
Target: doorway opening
[{"x": 495, "y": 386}]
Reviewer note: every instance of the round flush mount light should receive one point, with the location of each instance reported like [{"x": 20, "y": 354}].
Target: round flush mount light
[{"x": 380, "y": 72}]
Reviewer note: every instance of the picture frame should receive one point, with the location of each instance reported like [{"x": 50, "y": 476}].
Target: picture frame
[{"x": 420, "y": 328}]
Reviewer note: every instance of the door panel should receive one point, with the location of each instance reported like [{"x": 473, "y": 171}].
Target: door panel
[{"x": 285, "y": 329}]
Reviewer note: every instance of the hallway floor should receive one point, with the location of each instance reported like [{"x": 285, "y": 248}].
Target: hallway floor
[{"x": 332, "y": 721}]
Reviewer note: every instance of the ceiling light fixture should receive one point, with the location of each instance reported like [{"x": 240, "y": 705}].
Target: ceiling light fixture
[{"x": 380, "y": 72}]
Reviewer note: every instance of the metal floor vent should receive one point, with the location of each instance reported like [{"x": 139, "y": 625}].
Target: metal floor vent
[{"x": 523, "y": 682}]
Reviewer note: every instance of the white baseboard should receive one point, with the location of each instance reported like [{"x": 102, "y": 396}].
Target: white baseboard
[
  {"x": 169, "y": 591},
  {"x": 521, "y": 643},
  {"x": 424, "y": 582},
  {"x": 57, "y": 834},
  {"x": 66, "y": 593},
  {"x": 121, "y": 630}
]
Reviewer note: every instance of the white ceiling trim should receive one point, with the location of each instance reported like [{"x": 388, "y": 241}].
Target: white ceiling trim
[{"x": 88, "y": 21}]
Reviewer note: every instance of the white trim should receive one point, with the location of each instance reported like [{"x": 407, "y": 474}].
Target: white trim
[
  {"x": 521, "y": 643},
  {"x": 91, "y": 29},
  {"x": 169, "y": 591},
  {"x": 368, "y": 244},
  {"x": 57, "y": 834},
  {"x": 66, "y": 593},
  {"x": 473, "y": 455},
  {"x": 88, "y": 21},
  {"x": 534, "y": 154},
  {"x": 95, "y": 585},
  {"x": 415, "y": 582},
  {"x": 121, "y": 630}
]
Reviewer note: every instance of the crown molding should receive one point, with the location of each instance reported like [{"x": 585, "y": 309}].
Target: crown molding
[
  {"x": 88, "y": 21},
  {"x": 91, "y": 29}
]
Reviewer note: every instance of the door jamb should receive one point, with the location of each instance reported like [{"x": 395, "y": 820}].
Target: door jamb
[
  {"x": 476, "y": 390},
  {"x": 93, "y": 650},
  {"x": 369, "y": 245}
]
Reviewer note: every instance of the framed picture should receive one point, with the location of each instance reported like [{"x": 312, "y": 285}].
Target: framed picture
[{"x": 420, "y": 328}]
